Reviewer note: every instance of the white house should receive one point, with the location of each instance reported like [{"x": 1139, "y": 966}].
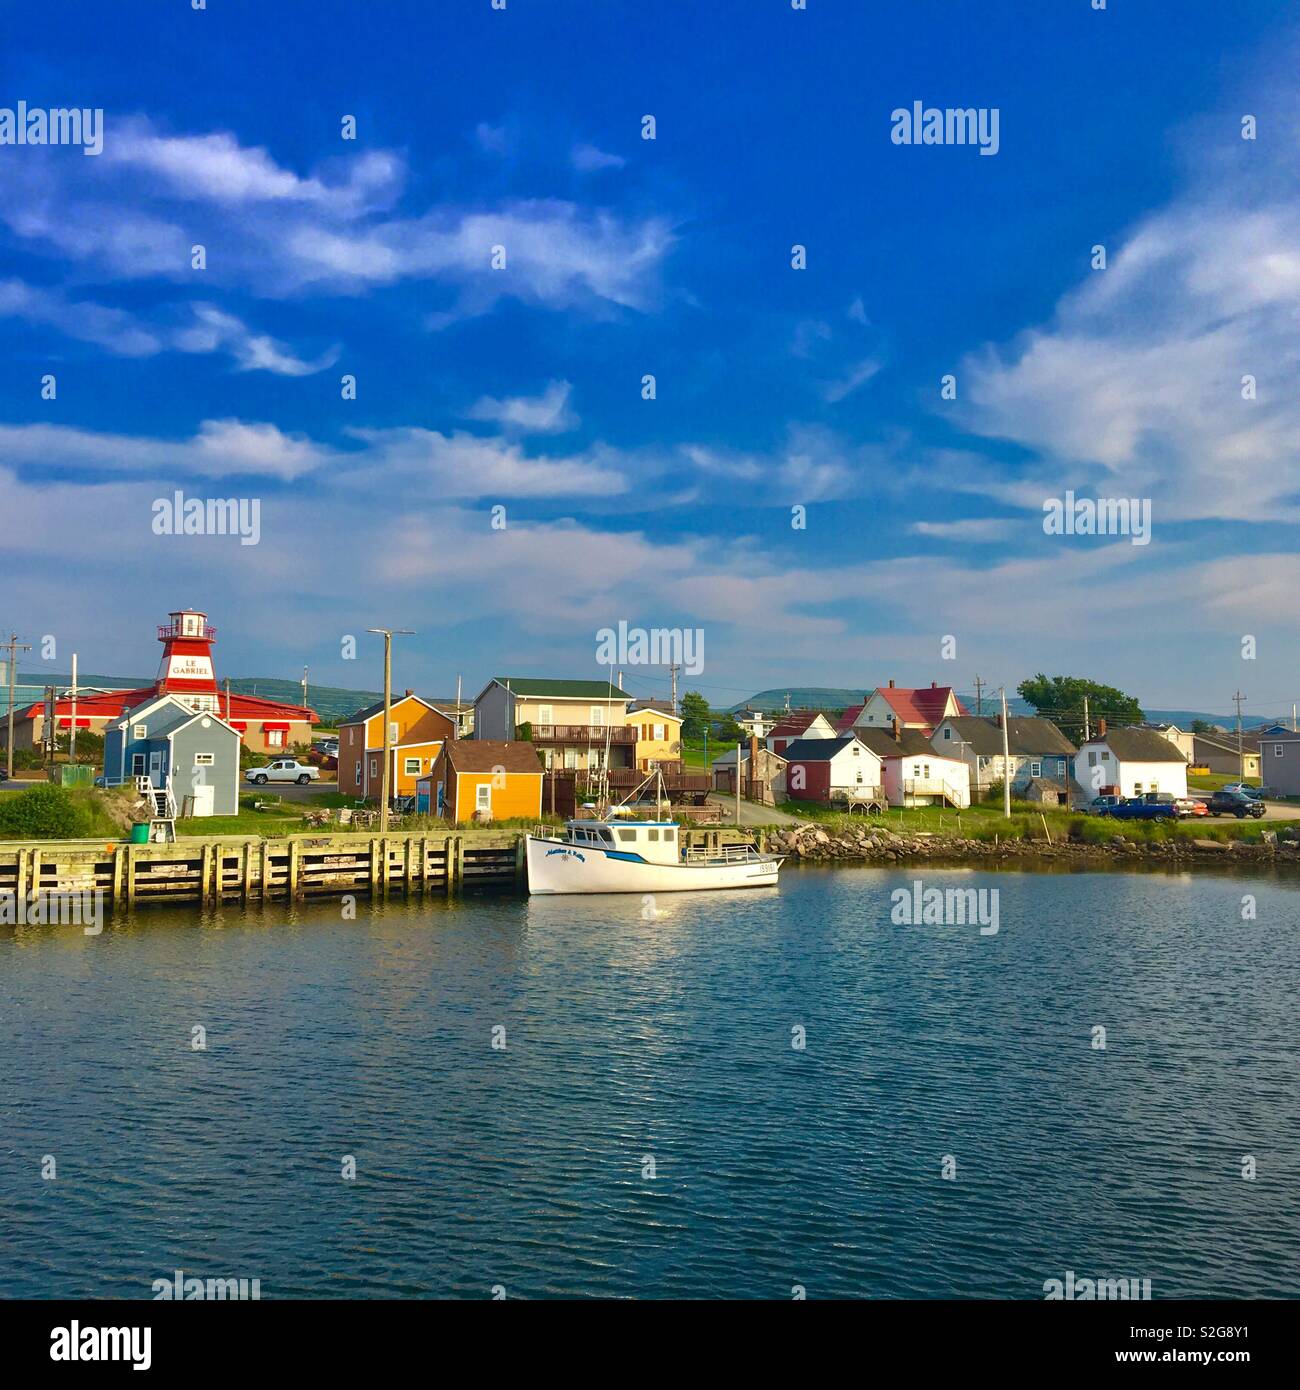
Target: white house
[
  {"x": 1129, "y": 762},
  {"x": 914, "y": 772},
  {"x": 796, "y": 725},
  {"x": 827, "y": 770}
]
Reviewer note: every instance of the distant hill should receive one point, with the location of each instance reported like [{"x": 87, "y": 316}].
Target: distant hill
[
  {"x": 836, "y": 697},
  {"x": 331, "y": 702}
]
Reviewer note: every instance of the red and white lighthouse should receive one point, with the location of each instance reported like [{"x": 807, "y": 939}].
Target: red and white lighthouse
[{"x": 186, "y": 670}]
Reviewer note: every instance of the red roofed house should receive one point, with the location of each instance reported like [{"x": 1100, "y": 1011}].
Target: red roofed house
[
  {"x": 799, "y": 723},
  {"x": 923, "y": 709},
  {"x": 266, "y": 726}
]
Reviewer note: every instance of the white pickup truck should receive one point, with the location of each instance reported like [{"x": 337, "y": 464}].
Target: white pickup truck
[{"x": 283, "y": 770}]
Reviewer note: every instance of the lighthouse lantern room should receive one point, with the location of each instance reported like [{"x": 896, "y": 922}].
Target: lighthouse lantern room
[{"x": 186, "y": 670}]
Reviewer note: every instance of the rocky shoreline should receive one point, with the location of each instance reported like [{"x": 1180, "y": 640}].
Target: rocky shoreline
[{"x": 876, "y": 844}]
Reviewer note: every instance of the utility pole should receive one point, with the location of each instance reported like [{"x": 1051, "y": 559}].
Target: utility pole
[
  {"x": 47, "y": 733},
  {"x": 1006, "y": 760},
  {"x": 1241, "y": 756},
  {"x": 979, "y": 695},
  {"x": 737, "y": 784},
  {"x": 1087, "y": 730},
  {"x": 458, "y": 733},
  {"x": 673, "y": 669},
  {"x": 14, "y": 647},
  {"x": 72, "y": 723},
  {"x": 304, "y": 687},
  {"x": 388, "y": 634}
]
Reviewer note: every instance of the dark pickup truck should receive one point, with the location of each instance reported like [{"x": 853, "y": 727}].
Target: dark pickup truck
[{"x": 1227, "y": 803}]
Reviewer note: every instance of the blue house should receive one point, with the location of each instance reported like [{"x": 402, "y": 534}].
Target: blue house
[{"x": 190, "y": 757}]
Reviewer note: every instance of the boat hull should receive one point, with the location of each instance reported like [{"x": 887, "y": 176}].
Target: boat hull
[{"x": 556, "y": 867}]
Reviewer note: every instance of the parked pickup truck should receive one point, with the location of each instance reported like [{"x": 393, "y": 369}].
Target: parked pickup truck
[
  {"x": 1153, "y": 806},
  {"x": 1226, "y": 803},
  {"x": 1102, "y": 805},
  {"x": 283, "y": 770}
]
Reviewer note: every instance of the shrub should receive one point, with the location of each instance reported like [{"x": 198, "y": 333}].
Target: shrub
[{"x": 46, "y": 812}]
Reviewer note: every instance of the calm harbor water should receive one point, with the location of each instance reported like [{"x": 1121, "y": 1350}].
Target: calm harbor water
[{"x": 668, "y": 1038}]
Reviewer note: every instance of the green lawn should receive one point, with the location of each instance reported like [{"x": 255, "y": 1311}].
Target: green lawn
[{"x": 1212, "y": 781}]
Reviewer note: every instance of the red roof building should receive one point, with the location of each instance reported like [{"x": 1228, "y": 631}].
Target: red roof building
[
  {"x": 186, "y": 671},
  {"x": 922, "y": 707}
]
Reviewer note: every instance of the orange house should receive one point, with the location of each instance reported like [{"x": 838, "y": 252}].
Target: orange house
[
  {"x": 416, "y": 737},
  {"x": 481, "y": 779}
]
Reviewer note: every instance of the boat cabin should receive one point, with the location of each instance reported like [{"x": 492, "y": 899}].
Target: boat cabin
[{"x": 653, "y": 841}]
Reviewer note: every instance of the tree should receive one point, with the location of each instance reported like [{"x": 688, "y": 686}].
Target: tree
[
  {"x": 1060, "y": 699},
  {"x": 1202, "y": 726},
  {"x": 695, "y": 714},
  {"x": 728, "y": 730}
]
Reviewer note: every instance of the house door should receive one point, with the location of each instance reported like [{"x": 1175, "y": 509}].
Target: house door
[
  {"x": 205, "y": 799},
  {"x": 155, "y": 769},
  {"x": 483, "y": 801}
]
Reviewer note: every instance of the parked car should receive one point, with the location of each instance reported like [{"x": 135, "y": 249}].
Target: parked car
[
  {"x": 1243, "y": 789},
  {"x": 1226, "y": 803},
  {"x": 1192, "y": 806},
  {"x": 1102, "y": 805},
  {"x": 283, "y": 770}
]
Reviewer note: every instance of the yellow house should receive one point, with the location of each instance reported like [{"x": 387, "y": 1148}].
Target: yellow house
[
  {"x": 416, "y": 737},
  {"x": 480, "y": 779},
  {"x": 658, "y": 736}
]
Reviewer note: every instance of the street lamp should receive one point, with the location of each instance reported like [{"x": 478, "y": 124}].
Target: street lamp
[{"x": 388, "y": 633}]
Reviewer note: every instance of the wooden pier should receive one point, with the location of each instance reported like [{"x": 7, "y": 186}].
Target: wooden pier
[{"x": 246, "y": 869}]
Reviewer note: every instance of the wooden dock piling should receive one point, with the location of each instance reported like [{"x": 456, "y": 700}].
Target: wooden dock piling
[{"x": 213, "y": 870}]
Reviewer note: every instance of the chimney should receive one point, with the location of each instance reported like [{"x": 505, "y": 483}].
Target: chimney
[
  {"x": 1101, "y": 728},
  {"x": 618, "y": 684},
  {"x": 998, "y": 717},
  {"x": 410, "y": 692},
  {"x": 753, "y": 767},
  {"x": 934, "y": 685},
  {"x": 891, "y": 684},
  {"x": 898, "y": 735}
]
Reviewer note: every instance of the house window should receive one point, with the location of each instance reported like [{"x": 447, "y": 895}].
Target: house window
[
  {"x": 1035, "y": 769},
  {"x": 1277, "y": 750},
  {"x": 925, "y": 770},
  {"x": 947, "y": 732},
  {"x": 137, "y": 764},
  {"x": 204, "y": 759},
  {"x": 374, "y": 767},
  {"x": 483, "y": 799},
  {"x": 545, "y": 714},
  {"x": 140, "y": 731},
  {"x": 357, "y": 769},
  {"x": 597, "y": 715},
  {"x": 392, "y": 732},
  {"x": 352, "y": 734},
  {"x": 411, "y": 767},
  {"x": 571, "y": 757},
  {"x": 275, "y": 738}
]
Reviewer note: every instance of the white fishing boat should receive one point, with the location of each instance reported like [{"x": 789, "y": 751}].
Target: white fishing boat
[{"x": 618, "y": 855}]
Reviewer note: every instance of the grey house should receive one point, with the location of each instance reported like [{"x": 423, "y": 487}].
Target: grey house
[
  {"x": 1039, "y": 753},
  {"x": 193, "y": 756},
  {"x": 1279, "y": 762}
]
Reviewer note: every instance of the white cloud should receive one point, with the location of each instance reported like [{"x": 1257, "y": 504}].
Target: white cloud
[
  {"x": 135, "y": 213},
  {"x": 587, "y": 159},
  {"x": 548, "y": 413},
  {"x": 123, "y": 333},
  {"x": 1135, "y": 387},
  {"x": 857, "y": 375}
]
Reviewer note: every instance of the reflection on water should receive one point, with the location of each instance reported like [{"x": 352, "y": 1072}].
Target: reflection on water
[{"x": 637, "y": 1032}]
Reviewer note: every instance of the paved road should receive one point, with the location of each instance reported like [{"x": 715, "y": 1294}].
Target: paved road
[
  {"x": 751, "y": 813},
  {"x": 1273, "y": 810},
  {"x": 290, "y": 791}
]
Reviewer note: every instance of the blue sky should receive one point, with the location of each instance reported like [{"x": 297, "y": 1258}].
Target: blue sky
[{"x": 776, "y": 387}]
